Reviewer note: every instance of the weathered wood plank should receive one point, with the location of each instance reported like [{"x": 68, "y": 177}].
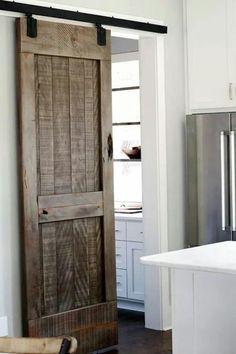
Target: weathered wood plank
[
  {"x": 35, "y": 345},
  {"x": 92, "y": 256},
  {"x": 78, "y": 158},
  {"x": 37, "y": 120},
  {"x": 61, "y": 122},
  {"x": 93, "y": 326},
  {"x": 49, "y": 259},
  {"x": 97, "y": 177},
  {"x": 63, "y": 200},
  {"x": 45, "y": 152},
  {"x": 107, "y": 171},
  {"x": 65, "y": 269},
  {"x": 45, "y": 123},
  {"x": 81, "y": 263},
  {"x": 96, "y": 126},
  {"x": 29, "y": 185},
  {"x": 100, "y": 260},
  {"x": 70, "y": 212},
  {"x": 77, "y": 119},
  {"x": 60, "y": 39},
  {"x": 89, "y": 129}
]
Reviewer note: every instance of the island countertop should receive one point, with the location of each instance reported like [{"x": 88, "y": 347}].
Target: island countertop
[{"x": 218, "y": 257}]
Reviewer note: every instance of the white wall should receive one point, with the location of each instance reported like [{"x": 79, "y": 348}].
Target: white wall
[
  {"x": 9, "y": 221},
  {"x": 169, "y": 11}
]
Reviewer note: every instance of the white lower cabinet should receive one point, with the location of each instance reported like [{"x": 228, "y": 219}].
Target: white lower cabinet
[
  {"x": 135, "y": 272},
  {"x": 121, "y": 282},
  {"x": 129, "y": 270}
]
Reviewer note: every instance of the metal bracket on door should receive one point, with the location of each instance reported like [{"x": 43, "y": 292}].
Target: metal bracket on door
[
  {"x": 101, "y": 35},
  {"x": 32, "y": 28}
]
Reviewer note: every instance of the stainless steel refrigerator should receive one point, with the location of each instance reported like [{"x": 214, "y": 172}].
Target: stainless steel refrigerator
[{"x": 211, "y": 178}]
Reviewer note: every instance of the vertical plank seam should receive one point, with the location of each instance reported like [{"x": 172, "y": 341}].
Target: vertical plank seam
[
  {"x": 38, "y": 145},
  {"x": 86, "y": 221},
  {"x": 96, "y": 174},
  {"x": 71, "y": 179},
  {"x": 53, "y": 127}
]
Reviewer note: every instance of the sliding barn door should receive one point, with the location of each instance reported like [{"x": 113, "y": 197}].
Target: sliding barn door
[{"x": 67, "y": 184}]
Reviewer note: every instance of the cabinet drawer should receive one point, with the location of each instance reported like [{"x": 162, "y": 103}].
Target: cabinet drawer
[
  {"x": 120, "y": 230},
  {"x": 121, "y": 282},
  {"x": 121, "y": 254},
  {"x": 135, "y": 231}
]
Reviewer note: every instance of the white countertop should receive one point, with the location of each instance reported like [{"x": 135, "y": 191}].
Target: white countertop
[
  {"x": 134, "y": 216},
  {"x": 217, "y": 257}
]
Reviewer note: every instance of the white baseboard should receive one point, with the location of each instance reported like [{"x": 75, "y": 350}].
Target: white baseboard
[{"x": 130, "y": 305}]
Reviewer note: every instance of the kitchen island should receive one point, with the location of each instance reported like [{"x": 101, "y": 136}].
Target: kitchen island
[{"x": 203, "y": 285}]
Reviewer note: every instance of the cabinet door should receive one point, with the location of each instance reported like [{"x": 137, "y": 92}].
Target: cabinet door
[
  {"x": 231, "y": 19},
  {"x": 120, "y": 230},
  {"x": 209, "y": 81},
  {"x": 135, "y": 231},
  {"x": 121, "y": 254},
  {"x": 135, "y": 271}
]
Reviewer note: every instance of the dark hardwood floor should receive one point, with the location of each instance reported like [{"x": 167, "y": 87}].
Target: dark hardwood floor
[{"x": 134, "y": 338}]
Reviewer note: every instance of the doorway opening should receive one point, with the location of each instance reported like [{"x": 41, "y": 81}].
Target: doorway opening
[
  {"x": 127, "y": 173},
  {"x": 140, "y": 181}
]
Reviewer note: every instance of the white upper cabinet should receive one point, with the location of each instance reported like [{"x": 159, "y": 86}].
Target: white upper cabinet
[
  {"x": 211, "y": 54},
  {"x": 231, "y": 21}
]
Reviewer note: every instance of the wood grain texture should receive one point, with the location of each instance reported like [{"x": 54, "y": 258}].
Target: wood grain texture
[
  {"x": 93, "y": 326},
  {"x": 98, "y": 177},
  {"x": 65, "y": 269},
  {"x": 60, "y": 39},
  {"x": 45, "y": 169},
  {"x": 35, "y": 345},
  {"x": 64, "y": 200},
  {"x": 29, "y": 185},
  {"x": 77, "y": 117},
  {"x": 89, "y": 132},
  {"x": 81, "y": 263},
  {"x": 49, "y": 260},
  {"x": 70, "y": 212},
  {"x": 61, "y": 121},
  {"x": 107, "y": 177},
  {"x": 68, "y": 199},
  {"x": 96, "y": 126},
  {"x": 45, "y": 123}
]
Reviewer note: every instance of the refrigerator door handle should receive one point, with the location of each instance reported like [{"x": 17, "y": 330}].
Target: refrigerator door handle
[
  {"x": 233, "y": 180},
  {"x": 225, "y": 219}
]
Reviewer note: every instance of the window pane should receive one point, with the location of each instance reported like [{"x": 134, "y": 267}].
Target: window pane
[
  {"x": 125, "y": 106},
  {"x": 125, "y": 74},
  {"x": 127, "y": 182},
  {"x": 125, "y": 136}
]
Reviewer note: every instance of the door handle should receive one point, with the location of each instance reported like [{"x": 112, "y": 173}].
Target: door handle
[
  {"x": 233, "y": 180},
  {"x": 110, "y": 147},
  {"x": 224, "y": 165}
]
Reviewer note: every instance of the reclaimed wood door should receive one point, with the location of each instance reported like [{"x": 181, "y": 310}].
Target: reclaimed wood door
[{"x": 67, "y": 184}]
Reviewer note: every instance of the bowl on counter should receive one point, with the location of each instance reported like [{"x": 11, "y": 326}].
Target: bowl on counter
[{"x": 134, "y": 153}]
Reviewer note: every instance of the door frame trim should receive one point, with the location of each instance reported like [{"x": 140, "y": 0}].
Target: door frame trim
[{"x": 154, "y": 171}]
